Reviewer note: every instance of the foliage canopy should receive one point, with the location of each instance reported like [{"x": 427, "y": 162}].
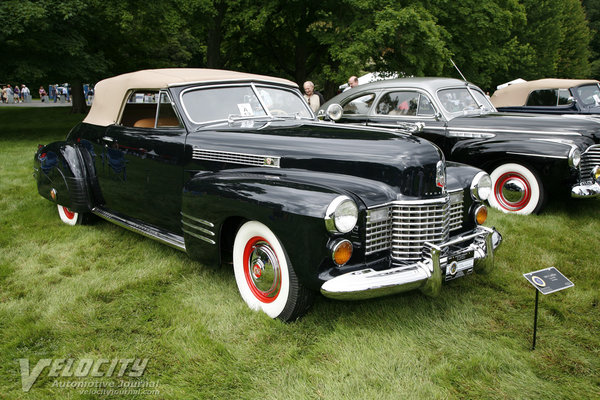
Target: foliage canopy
[{"x": 492, "y": 41}]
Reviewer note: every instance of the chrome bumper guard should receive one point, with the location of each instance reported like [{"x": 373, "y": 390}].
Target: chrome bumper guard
[
  {"x": 425, "y": 274},
  {"x": 591, "y": 189}
]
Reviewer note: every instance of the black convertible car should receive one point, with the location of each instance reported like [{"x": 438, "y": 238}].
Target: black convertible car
[
  {"x": 234, "y": 167},
  {"x": 550, "y": 96},
  {"x": 528, "y": 156}
]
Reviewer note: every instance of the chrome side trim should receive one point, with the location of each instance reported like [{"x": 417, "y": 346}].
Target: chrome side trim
[
  {"x": 202, "y": 221},
  {"x": 494, "y": 130},
  {"x": 197, "y": 231},
  {"x": 199, "y": 236},
  {"x": 536, "y": 155},
  {"x": 254, "y": 160},
  {"x": 137, "y": 226}
]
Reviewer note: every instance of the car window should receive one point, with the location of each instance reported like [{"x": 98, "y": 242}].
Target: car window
[
  {"x": 398, "y": 103},
  {"x": 483, "y": 100},
  {"x": 220, "y": 103},
  {"x": 283, "y": 102},
  {"x": 425, "y": 106},
  {"x": 167, "y": 117},
  {"x": 543, "y": 97},
  {"x": 359, "y": 105},
  {"x": 588, "y": 95},
  {"x": 140, "y": 109},
  {"x": 563, "y": 97},
  {"x": 457, "y": 100}
]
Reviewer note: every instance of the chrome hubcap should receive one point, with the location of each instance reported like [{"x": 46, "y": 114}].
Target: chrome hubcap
[
  {"x": 264, "y": 270},
  {"x": 513, "y": 190}
]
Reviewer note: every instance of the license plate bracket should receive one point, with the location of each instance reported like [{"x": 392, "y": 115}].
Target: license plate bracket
[{"x": 460, "y": 264}]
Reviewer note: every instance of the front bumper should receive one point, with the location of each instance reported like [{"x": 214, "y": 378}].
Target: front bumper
[
  {"x": 591, "y": 189},
  {"x": 425, "y": 274}
]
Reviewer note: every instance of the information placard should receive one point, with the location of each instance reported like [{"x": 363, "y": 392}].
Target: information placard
[{"x": 548, "y": 280}]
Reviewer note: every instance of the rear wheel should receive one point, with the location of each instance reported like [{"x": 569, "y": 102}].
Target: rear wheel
[
  {"x": 71, "y": 217},
  {"x": 264, "y": 276},
  {"x": 516, "y": 189}
]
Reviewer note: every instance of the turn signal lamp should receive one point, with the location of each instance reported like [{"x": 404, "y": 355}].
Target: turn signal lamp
[
  {"x": 481, "y": 214},
  {"x": 596, "y": 174},
  {"x": 342, "y": 251}
]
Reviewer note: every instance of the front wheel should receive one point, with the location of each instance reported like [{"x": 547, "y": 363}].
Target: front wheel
[
  {"x": 516, "y": 189},
  {"x": 264, "y": 276}
]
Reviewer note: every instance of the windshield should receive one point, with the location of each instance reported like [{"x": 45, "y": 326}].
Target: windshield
[
  {"x": 461, "y": 101},
  {"x": 589, "y": 95},
  {"x": 214, "y": 104}
]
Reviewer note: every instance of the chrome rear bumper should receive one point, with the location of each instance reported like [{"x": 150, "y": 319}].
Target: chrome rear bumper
[{"x": 425, "y": 274}]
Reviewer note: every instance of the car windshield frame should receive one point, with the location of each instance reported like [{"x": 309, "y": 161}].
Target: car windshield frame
[
  {"x": 483, "y": 103},
  {"x": 257, "y": 106}
]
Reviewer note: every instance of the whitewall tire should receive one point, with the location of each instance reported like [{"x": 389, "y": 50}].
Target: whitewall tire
[
  {"x": 516, "y": 189},
  {"x": 69, "y": 217},
  {"x": 264, "y": 276}
]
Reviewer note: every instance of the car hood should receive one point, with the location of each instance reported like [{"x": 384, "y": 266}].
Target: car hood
[
  {"x": 558, "y": 127},
  {"x": 404, "y": 162}
]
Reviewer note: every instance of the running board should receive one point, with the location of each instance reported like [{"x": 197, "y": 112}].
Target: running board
[{"x": 142, "y": 228}]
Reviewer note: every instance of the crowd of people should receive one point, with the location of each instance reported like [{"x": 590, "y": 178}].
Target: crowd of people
[
  {"x": 315, "y": 99},
  {"x": 15, "y": 94}
]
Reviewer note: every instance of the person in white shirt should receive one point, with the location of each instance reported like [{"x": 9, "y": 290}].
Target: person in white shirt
[{"x": 311, "y": 98}]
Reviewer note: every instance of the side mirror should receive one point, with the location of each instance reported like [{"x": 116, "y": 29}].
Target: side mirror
[
  {"x": 334, "y": 112},
  {"x": 438, "y": 116},
  {"x": 571, "y": 100}
]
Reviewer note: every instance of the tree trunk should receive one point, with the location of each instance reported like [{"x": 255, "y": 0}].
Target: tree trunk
[{"x": 78, "y": 102}]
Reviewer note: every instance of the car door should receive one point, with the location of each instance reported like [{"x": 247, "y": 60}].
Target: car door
[
  {"x": 139, "y": 161},
  {"x": 404, "y": 108}
]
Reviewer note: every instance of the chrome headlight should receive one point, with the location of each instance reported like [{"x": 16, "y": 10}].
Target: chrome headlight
[
  {"x": 481, "y": 186},
  {"x": 334, "y": 112},
  {"x": 574, "y": 157},
  {"x": 341, "y": 215}
]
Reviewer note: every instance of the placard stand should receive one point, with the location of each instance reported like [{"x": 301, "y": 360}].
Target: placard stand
[{"x": 546, "y": 281}]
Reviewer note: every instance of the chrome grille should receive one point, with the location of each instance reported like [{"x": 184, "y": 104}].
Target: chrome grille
[
  {"x": 589, "y": 159},
  {"x": 404, "y": 227}
]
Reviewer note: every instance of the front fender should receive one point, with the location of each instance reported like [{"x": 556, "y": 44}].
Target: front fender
[
  {"x": 543, "y": 154},
  {"x": 291, "y": 203}
]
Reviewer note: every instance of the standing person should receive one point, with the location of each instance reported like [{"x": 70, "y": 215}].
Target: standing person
[
  {"x": 42, "y": 93},
  {"x": 311, "y": 98},
  {"x": 9, "y": 94},
  {"x": 25, "y": 94},
  {"x": 352, "y": 82},
  {"x": 3, "y": 95},
  {"x": 17, "y": 94}
]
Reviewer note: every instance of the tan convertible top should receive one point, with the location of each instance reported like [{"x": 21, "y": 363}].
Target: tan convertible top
[
  {"x": 109, "y": 93},
  {"x": 516, "y": 94}
]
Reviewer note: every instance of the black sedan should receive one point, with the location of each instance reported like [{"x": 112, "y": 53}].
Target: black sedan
[{"x": 528, "y": 156}]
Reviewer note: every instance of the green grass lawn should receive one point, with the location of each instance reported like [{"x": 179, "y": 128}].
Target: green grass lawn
[{"x": 101, "y": 292}]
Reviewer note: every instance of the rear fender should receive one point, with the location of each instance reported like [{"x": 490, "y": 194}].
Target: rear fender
[{"x": 60, "y": 167}]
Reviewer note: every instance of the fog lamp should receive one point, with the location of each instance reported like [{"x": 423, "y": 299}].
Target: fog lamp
[
  {"x": 342, "y": 251},
  {"x": 481, "y": 214}
]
